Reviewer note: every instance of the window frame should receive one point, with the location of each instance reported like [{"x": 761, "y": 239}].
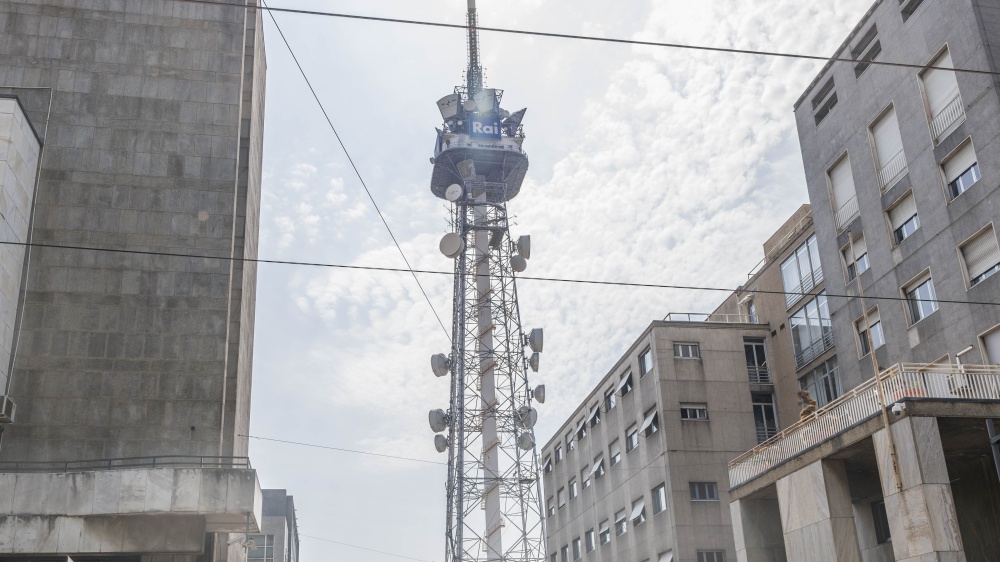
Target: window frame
[
  {"x": 862, "y": 333},
  {"x": 659, "y": 494},
  {"x": 687, "y": 407},
  {"x": 880, "y": 521},
  {"x": 570, "y": 441},
  {"x": 949, "y": 194},
  {"x": 590, "y": 540},
  {"x": 621, "y": 523},
  {"x": 577, "y": 549},
  {"x": 895, "y": 233},
  {"x": 631, "y": 438},
  {"x": 558, "y": 454},
  {"x": 704, "y": 491},
  {"x": 585, "y": 478},
  {"x": 693, "y": 347},
  {"x": 716, "y": 556},
  {"x": 604, "y": 532},
  {"x": 561, "y": 497},
  {"x": 614, "y": 452},
  {"x": 910, "y": 303},
  {"x": 610, "y": 400},
  {"x": 971, "y": 282},
  {"x": 625, "y": 383},
  {"x": 574, "y": 488},
  {"x": 646, "y": 356},
  {"x": 851, "y": 269}
]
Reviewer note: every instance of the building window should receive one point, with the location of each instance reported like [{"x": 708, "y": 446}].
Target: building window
[
  {"x": 757, "y": 369},
  {"x": 823, "y": 101},
  {"x": 907, "y": 7},
  {"x": 877, "y": 338},
  {"x": 650, "y": 422},
  {"x": 890, "y": 161},
  {"x": 866, "y": 50},
  {"x": 548, "y": 465},
  {"x": 551, "y": 506},
  {"x": 577, "y": 551},
  {"x": 595, "y": 416},
  {"x": 598, "y": 469},
  {"x": 605, "y": 532},
  {"x": 856, "y": 263},
  {"x": 882, "y": 533},
  {"x": 561, "y": 497},
  {"x": 625, "y": 385},
  {"x": 638, "y": 515},
  {"x": 694, "y": 411},
  {"x": 554, "y": 557},
  {"x": 621, "y": 524},
  {"x": 752, "y": 312},
  {"x": 704, "y": 491},
  {"x": 764, "y": 416},
  {"x": 961, "y": 170},
  {"x": 903, "y": 218},
  {"x": 631, "y": 438},
  {"x": 801, "y": 271},
  {"x": 588, "y": 538},
  {"x": 941, "y": 96},
  {"x": 559, "y": 453},
  {"x": 616, "y": 452},
  {"x": 610, "y": 400},
  {"x": 581, "y": 430},
  {"x": 981, "y": 255},
  {"x": 711, "y": 556},
  {"x": 585, "y": 477},
  {"x": 843, "y": 194},
  {"x": 659, "y": 499},
  {"x": 823, "y": 382},
  {"x": 565, "y": 553},
  {"x": 570, "y": 442},
  {"x": 574, "y": 490},
  {"x": 645, "y": 362},
  {"x": 921, "y": 298},
  {"x": 687, "y": 350},
  {"x": 812, "y": 331},
  {"x": 265, "y": 548}
]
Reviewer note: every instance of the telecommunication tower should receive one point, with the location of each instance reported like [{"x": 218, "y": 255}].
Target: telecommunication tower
[{"x": 494, "y": 511}]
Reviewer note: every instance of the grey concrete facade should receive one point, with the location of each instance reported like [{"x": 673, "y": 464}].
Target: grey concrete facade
[
  {"x": 279, "y": 528},
  {"x": 685, "y": 454}
]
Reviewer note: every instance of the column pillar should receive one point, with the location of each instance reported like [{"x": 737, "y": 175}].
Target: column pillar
[
  {"x": 757, "y": 529},
  {"x": 816, "y": 514},
  {"x": 921, "y": 512}
]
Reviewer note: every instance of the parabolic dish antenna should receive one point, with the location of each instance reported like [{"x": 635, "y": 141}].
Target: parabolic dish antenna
[{"x": 453, "y": 193}]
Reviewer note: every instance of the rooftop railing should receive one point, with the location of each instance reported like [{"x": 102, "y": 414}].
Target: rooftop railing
[
  {"x": 161, "y": 461},
  {"x": 705, "y": 317},
  {"x": 899, "y": 382}
]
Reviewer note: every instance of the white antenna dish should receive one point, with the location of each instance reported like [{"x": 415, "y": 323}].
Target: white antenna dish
[
  {"x": 539, "y": 393},
  {"x": 533, "y": 362},
  {"x": 526, "y": 441},
  {"x": 518, "y": 263},
  {"x": 453, "y": 193},
  {"x": 438, "y": 420},
  {"x": 440, "y": 443},
  {"x": 524, "y": 246},
  {"x": 527, "y": 417},
  {"x": 452, "y": 245},
  {"x": 469, "y": 105},
  {"x": 535, "y": 340},
  {"x": 440, "y": 364}
]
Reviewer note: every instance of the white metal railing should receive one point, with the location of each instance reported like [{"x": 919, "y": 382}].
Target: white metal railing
[
  {"x": 705, "y": 317},
  {"x": 847, "y": 212},
  {"x": 947, "y": 117},
  {"x": 892, "y": 171},
  {"x": 901, "y": 381},
  {"x": 758, "y": 375},
  {"x": 808, "y": 283},
  {"x": 765, "y": 433},
  {"x": 814, "y": 349}
]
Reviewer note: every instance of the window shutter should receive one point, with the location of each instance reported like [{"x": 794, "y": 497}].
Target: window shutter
[
  {"x": 872, "y": 317},
  {"x": 992, "y": 343},
  {"x": 981, "y": 253},
  {"x": 842, "y": 181},
  {"x": 860, "y": 247},
  {"x": 902, "y": 212},
  {"x": 959, "y": 162},
  {"x": 888, "y": 143},
  {"x": 940, "y": 86}
]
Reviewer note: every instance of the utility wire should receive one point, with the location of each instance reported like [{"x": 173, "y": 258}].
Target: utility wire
[
  {"x": 591, "y": 38},
  {"x": 520, "y": 277},
  {"x": 342, "y": 450},
  {"x": 356, "y": 171},
  {"x": 364, "y": 548}
]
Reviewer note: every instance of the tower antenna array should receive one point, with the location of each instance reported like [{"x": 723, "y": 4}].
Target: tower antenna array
[{"x": 474, "y": 74}]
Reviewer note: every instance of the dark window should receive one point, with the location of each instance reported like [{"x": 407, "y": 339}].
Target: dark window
[
  {"x": 867, "y": 48},
  {"x": 882, "y": 534},
  {"x": 964, "y": 181},
  {"x": 907, "y": 228}
]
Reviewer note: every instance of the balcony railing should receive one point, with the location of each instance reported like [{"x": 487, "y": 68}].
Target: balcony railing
[
  {"x": 901, "y": 381},
  {"x": 809, "y": 281},
  {"x": 847, "y": 212},
  {"x": 892, "y": 171},
  {"x": 704, "y": 317},
  {"x": 952, "y": 113},
  {"x": 758, "y": 375},
  {"x": 814, "y": 350},
  {"x": 162, "y": 461},
  {"x": 765, "y": 433}
]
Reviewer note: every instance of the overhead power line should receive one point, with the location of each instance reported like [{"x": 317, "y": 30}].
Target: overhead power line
[
  {"x": 364, "y": 548},
  {"x": 519, "y": 277},
  {"x": 342, "y": 450},
  {"x": 593, "y": 38},
  {"x": 356, "y": 171}
]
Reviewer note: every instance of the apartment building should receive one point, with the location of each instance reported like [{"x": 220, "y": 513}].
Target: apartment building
[
  {"x": 278, "y": 540},
  {"x": 638, "y": 472},
  {"x": 900, "y": 167}
]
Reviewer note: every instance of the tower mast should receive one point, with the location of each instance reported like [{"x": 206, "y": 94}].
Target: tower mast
[{"x": 474, "y": 74}]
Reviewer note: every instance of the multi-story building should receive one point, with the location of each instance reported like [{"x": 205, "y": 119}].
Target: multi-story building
[
  {"x": 901, "y": 170},
  {"x": 638, "y": 472},
  {"x": 279, "y": 533},
  {"x": 134, "y": 127}
]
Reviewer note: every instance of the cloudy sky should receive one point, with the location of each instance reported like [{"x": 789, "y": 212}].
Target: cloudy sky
[{"x": 647, "y": 165}]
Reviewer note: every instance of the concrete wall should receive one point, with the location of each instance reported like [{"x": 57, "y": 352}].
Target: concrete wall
[
  {"x": 19, "y": 153},
  {"x": 152, "y": 104}
]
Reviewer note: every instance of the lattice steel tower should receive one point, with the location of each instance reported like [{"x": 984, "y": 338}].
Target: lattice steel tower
[{"x": 494, "y": 511}]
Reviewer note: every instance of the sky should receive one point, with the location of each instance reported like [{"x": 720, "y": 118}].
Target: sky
[{"x": 648, "y": 164}]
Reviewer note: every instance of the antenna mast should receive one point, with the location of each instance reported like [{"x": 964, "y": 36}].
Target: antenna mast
[{"x": 474, "y": 75}]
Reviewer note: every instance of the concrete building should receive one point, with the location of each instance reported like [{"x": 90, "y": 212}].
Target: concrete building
[
  {"x": 638, "y": 472},
  {"x": 132, "y": 126},
  {"x": 900, "y": 169},
  {"x": 279, "y": 534}
]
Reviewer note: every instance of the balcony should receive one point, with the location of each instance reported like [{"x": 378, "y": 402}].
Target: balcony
[
  {"x": 719, "y": 318},
  {"x": 765, "y": 433},
  {"x": 808, "y": 283},
  {"x": 951, "y": 114},
  {"x": 758, "y": 375},
  {"x": 814, "y": 350},
  {"x": 899, "y": 382},
  {"x": 892, "y": 171},
  {"x": 847, "y": 213}
]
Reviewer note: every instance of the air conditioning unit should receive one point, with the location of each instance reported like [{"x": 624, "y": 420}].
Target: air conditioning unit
[{"x": 7, "y": 408}]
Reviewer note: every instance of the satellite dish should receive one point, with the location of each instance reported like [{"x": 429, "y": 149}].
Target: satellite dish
[
  {"x": 469, "y": 105},
  {"x": 440, "y": 443},
  {"x": 440, "y": 364},
  {"x": 526, "y": 417},
  {"x": 524, "y": 246},
  {"x": 539, "y": 393},
  {"x": 452, "y": 245},
  {"x": 526, "y": 441},
  {"x": 438, "y": 420},
  {"x": 535, "y": 340},
  {"x": 504, "y": 113},
  {"x": 518, "y": 263},
  {"x": 453, "y": 193},
  {"x": 533, "y": 362}
]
